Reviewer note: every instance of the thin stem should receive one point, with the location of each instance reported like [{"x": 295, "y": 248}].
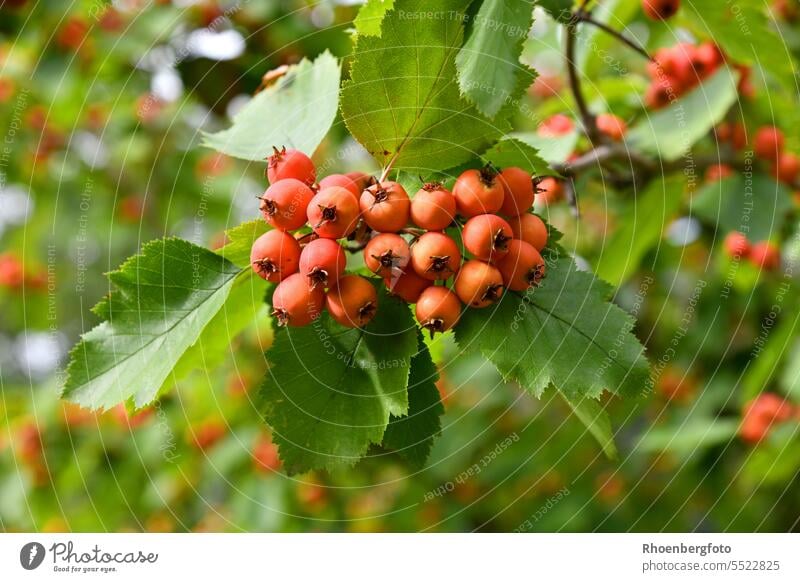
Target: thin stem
[
  {"x": 589, "y": 125},
  {"x": 587, "y": 18}
]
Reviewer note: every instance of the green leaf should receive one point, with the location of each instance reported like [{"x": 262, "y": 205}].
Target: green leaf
[
  {"x": 513, "y": 152},
  {"x": 489, "y": 69},
  {"x": 297, "y": 111},
  {"x": 240, "y": 240},
  {"x": 671, "y": 132},
  {"x": 646, "y": 219},
  {"x": 370, "y": 17},
  {"x": 596, "y": 420},
  {"x": 412, "y": 435},
  {"x": 163, "y": 300},
  {"x": 564, "y": 333},
  {"x": 330, "y": 391},
  {"x": 402, "y": 102},
  {"x": 554, "y": 150},
  {"x": 790, "y": 378},
  {"x": 756, "y": 206},
  {"x": 690, "y": 436},
  {"x": 560, "y": 10}
]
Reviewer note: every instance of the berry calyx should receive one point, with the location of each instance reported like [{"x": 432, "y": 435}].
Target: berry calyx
[
  {"x": 478, "y": 284},
  {"x": 660, "y": 9},
  {"x": 289, "y": 163},
  {"x": 353, "y": 302},
  {"x": 433, "y": 207},
  {"x": 765, "y": 255},
  {"x": 611, "y": 126},
  {"x": 487, "y": 236},
  {"x": 531, "y": 229},
  {"x": 323, "y": 262},
  {"x": 522, "y": 267},
  {"x": 295, "y": 303},
  {"x": 736, "y": 245},
  {"x": 435, "y": 256},
  {"x": 342, "y": 181},
  {"x": 518, "y": 191},
  {"x": 284, "y": 204},
  {"x": 275, "y": 255},
  {"x": 333, "y": 212},
  {"x": 478, "y": 192},
  {"x": 768, "y": 143},
  {"x": 407, "y": 286},
  {"x": 385, "y": 207},
  {"x": 386, "y": 254},
  {"x": 438, "y": 309}
]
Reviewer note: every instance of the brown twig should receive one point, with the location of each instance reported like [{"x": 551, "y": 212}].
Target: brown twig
[
  {"x": 587, "y": 18},
  {"x": 587, "y": 119}
]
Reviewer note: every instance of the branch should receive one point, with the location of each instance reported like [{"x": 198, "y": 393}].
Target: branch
[
  {"x": 589, "y": 125},
  {"x": 587, "y": 18}
]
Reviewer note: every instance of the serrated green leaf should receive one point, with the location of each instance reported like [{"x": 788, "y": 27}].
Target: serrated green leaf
[
  {"x": 670, "y": 132},
  {"x": 163, "y": 300},
  {"x": 553, "y": 150},
  {"x": 330, "y": 391},
  {"x": 591, "y": 413},
  {"x": 297, "y": 112},
  {"x": 240, "y": 240},
  {"x": 560, "y": 10},
  {"x": 370, "y": 17},
  {"x": 646, "y": 219},
  {"x": 489, "y": 69},
  {"x": 412, "y": 435},
  {"x": 402, "y": 102},
  {"x": 513, "y": 152},
  {"x": 763, "y": 201}
]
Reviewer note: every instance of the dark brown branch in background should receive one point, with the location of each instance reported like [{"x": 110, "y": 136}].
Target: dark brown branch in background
[
  {"x": 587, "y": 18},
  {"x": 587, "y": 119}
]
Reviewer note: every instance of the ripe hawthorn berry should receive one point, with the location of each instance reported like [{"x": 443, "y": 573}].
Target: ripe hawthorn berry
[
  {"x": 323, "y": 262},
  {"x": 768, "y": 143},
  {"x": 407, "y": 286},
  {"x": 522, "y": 267},
  {"x": 718, "y": 172},
  {"x": 283, "y": 164},
  {"x": 736, "y": 245},
  {"x": 765, "y": 255},
  {"x": 786, "y": 167},
  {"x": 761, "y": 414},
  {"x": 333, "y": 212},
  {"x": 342, "y": 181},
  {"x": 275, "y": 255},
  {"x": 438, "y": 309},
  {"x": 733, "y": 133},
  {"x": 549, "y": 190},
  {"x": 555, "y": 126},
  {"x": 487, "y": 236},
  {"x": 531, "y": 229},
  {"x": 385, "y": 207},
  {"x": 478, "y": 192},
  {"x": 387, "y": 253},
  {"x": 433, "y": 207},
  {"x": 478, "y": 284},
  {"x": 611, "y": 126},
  {"x": 353, "y": 302},
  {"x": 284, "y": 204},
  {"x": 518, "y": 191},
  {"x": 295, "y": 303},
  {"x": 435, "y": 256},
  {"x": 660, "y": 9}
]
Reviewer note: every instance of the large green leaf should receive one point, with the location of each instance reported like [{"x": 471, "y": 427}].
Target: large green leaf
[
  {"x": 670, "y": 132},
  {"x": 163, "y": 300},
  {"x": 592, "y": 414},
  {"x": 489, "y": 69},
  {"x": 330, "y": 391},
  {"x": 646, "y": 218},
  {"x": 402, "y": 101},
  {"x": 297, "y": 111},
  {"x": 370, "y": 17},
  {"x": 412, "y": 435},
  {"x": 560, "y": 10},
  {"x": 554, "y": 150},
  {"x": 513, "y": 152}
]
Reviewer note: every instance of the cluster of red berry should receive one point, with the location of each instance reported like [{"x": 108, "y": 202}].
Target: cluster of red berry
[
  {"x": 404, "y": 241},
  {"x": 764, "y": 412},
  {"x": 762, "y": 254}
]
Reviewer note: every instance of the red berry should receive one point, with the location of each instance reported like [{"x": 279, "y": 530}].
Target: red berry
[
  {"x": 433, "y": 207},
  {"x": 407, "y": 286},
  {"x": 766, "y": 255},
  {"x": 549, "y": 190},
  {"x": 295, "y": 303},
  {"x": 12, "y": 273},
  {"x": 518, "y": 192},
  {"x": 275, "y": 255},
  {"x": 487, "y": 236},
  {"x": 386, "y": 254},
  {"x": 718, "y": 172},
  {"x": 760, "y": 414},
  {"x": 435, "y": 256},
  {"x": 768, "y": 143},
  {"x": 438, "y": 309},
  {"x": 555, "y": 126},
  {"x": 657, "y": 96},
  {"x": 706, "y": 59},
  {"x": 737, "y": 245},
  {"x": 611, "y": 126},
  {"x": 290, "y": 163},
  {"x": 353, "y": 302},
  {"x": 478, "y": 192},
  {"x": 385, "y": 207},
  {"x": 361, "y": 179},
  {"x": 478, "y": 284},
  {"x": 323, "y": 261},
  {"x": 333, "y": 212},
  {"x": 284, "y": 204},
  {"x": 787, "y": 167},
  {"x": 522, "y": 267},
  {"x": 342, "y": 181},
  {"x": 660, "y": 9},
  {"x": 531, "y": 229}
]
